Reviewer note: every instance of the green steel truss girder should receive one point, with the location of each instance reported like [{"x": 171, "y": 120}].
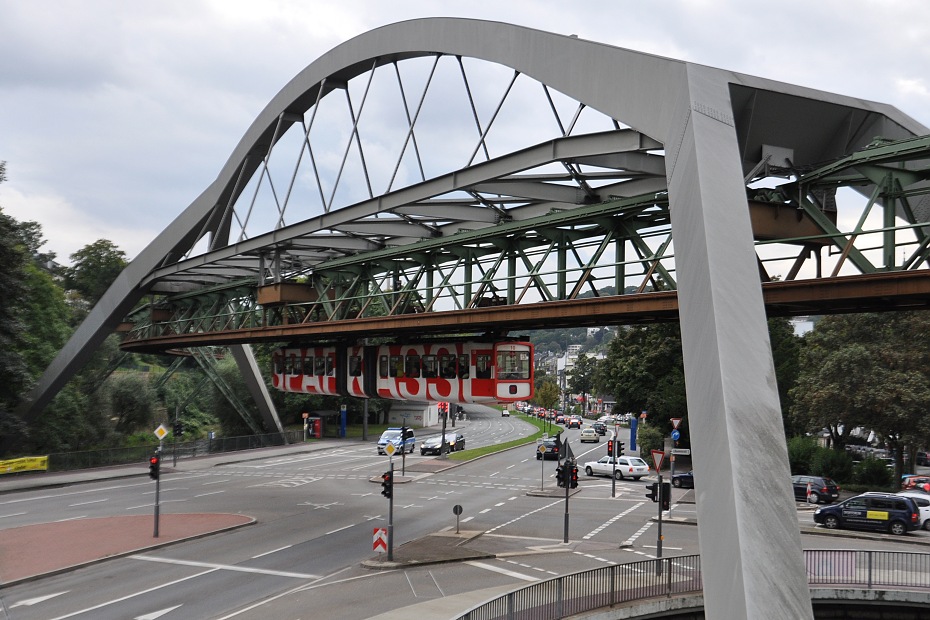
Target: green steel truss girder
[{"x": 529, "y": 260}]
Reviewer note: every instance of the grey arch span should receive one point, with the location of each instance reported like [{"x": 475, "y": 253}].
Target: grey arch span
[{"x": 750, "y": 543}]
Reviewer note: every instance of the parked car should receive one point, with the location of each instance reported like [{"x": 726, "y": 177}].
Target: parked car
[
  {"x": 588, "y": 434},
  {"x": 822, "y": 489},
  {"x": 433, "y": 445},
  {"x": 627, "y": 467},
  {"x": 683, "y": 481},
  {"x": 918, "y": 482},
  {"x": 552, "y": 450},
  {"x": 393, "y": 435},
  {"x": 923, "y": 506},
  {"x": 871, "y": 511},
  {"x": 600, "y": 428},
  {"x": 923, "y": 458}
]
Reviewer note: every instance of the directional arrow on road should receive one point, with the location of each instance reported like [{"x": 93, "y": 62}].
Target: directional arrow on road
[
  {"x": 29, "y": 602},
  {"x": 156, "y": 614}
]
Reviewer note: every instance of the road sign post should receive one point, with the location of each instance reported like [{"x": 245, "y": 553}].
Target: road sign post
[
  {"x": 390, "y": 527},
  {"x": 457, "y": 511},
  {"x": 379, "y": 540},
  {"x": 542, "y": 464}
]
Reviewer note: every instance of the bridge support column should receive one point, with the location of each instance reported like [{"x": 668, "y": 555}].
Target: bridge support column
[{"x": 751, "y": 557}]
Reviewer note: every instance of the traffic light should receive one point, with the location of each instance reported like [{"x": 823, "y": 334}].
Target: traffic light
[
  {"x": 610, "y": 447},
  {"x": 619, "y": 448},
  {"x": 154, "y": 465},
  {"x": 574, "y": 475},
  {"x": 558, "y": 446},
  {"x": 560, "y": 476},
  {"x": 178, "y": 429},
  {"x": 443, "y": 408},
  {"x": 653, "y": 489},
  {"x": 666, "y": 496},
  {"x": 387, "y": 484}
]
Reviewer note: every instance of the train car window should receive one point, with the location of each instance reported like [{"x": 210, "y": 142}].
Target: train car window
[
  {"x": 447, "y": 366},
  {"x": 319, "y": 366},
  {"x": 292, "y": 366},
  {"x": 483, "y": 366},
  {"x": 330, "y": 366},
  {"x": 397, "y": 366},
  {"x": 308, "y": 365},
  {"x": 355, "y": 366},
  {"x": 413, "y": 366},
  {"x": 278, "y": 364},
  {"x": 383, "y": 366},
  {"x": 464, "y": 368},
  {"x": 513, "y": 364},
  {"x": 429, "y": 366}
]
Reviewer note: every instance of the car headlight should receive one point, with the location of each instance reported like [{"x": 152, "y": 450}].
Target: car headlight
[
  {"x": 817, "y": 512},
  {"x": 422, "y": 445}
]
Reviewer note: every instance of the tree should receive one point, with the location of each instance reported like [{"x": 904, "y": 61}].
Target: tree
[
  {"x": 131, "y": 402},
  {"x": 581, "y": 381},
  {"x": 94, "y": 269},
  {"x": 547, "y": 395},
  {"x": 870, "y": 371}
]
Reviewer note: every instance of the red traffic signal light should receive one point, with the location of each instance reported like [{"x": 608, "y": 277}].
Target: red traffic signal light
[
  {"x": 574, "y": 476},
  {"x": 387, "y": 484},
  {"x": 154, "y": 467},
  {"x": 610, "y": 447}
]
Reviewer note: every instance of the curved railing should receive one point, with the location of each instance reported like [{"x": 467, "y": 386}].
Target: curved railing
[{"x": 577, "y": 593}]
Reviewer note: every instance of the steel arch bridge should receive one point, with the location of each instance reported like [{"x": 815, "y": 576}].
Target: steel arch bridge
[{"x": 457, "y": 175}]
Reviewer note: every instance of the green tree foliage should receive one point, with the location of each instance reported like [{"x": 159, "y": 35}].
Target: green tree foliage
[
  {"x": 870, "y": 371},
  {"x": 131, "y": 401},
  {"x": 94, "y": 268},
  {"x": 648, "y": 438},
  {"x": 873, "y": 473},
  {"x": 644, "y": 370},
  {"x": 547, "y": 395},
  {"x": 581, "y": 379}
]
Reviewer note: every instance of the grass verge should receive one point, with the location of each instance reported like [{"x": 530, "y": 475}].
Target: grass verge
[{"x": 541, "y": 426}]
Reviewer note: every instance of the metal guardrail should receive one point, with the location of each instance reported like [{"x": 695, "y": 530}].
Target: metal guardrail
[
  {"x": 86, "y": 459},
  {"x": 607, "y": 586}
]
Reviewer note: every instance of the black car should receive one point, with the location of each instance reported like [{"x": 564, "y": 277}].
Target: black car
[
  {"x": 454, "y": 441},
  {"x": 815, "y": 489},
  {"x": 552, "y": 450},
  {"x": 923, "y": 459},
  {"x": 683, "y": 481},
  {"x": 600, "y": 428},
  {"x": 883, "y": 512}
]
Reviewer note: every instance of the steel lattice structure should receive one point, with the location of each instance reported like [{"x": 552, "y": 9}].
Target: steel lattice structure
[{"x": 449, "y": 173}]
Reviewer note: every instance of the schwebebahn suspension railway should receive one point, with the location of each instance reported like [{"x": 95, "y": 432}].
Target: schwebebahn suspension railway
[{"x": 451, "y": 176}]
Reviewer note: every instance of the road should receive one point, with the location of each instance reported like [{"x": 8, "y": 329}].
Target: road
[{"x": 315, "y": 517}]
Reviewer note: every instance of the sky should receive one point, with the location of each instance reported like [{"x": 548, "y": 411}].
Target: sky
[{"x": 115, "y": 115}]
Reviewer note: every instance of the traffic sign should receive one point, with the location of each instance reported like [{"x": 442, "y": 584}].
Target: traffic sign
[
  {"x": 457, "y": 509},
  {"x": 542, "y": 448},
  {"x": 657, "y": 457},
  {"x": 161, "y": 431},
  {"x": 676, "y": 435},
  {"x": 390, "y": 449},
  {"x": 379, "y": 540},
  {"x": 681, "y": 451},
  {"x": 676, "y": 422}
]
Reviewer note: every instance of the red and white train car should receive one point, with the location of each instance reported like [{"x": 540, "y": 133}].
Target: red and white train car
[{"x": 454, "y": 371}]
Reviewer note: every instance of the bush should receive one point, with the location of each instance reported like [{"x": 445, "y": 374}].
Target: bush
[
  {"x": 801, "y": 454},
  {"x": 832, "y": 464},
  {"x": 872, "y": 473},
  {"x": 648, "y": 438}
]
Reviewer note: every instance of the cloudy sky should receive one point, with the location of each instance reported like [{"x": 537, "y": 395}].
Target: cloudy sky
[{"x": 115, "y": 115}]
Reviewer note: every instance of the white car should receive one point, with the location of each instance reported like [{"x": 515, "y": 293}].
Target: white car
[
  {"x": 627, "y": 467},
  {"x": 923, "y": 506},
  {"x": 590, "y": 435}
]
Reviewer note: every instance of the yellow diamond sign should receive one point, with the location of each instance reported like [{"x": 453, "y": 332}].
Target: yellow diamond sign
[{"x": 161, "y": 431}]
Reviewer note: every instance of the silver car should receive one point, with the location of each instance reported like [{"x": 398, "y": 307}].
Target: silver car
[{"x": 627, "y": 467}]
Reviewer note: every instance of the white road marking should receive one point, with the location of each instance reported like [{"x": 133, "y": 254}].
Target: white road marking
[
  {"x": 217, "y": 481},
  {"x": 70, "y": 519},
  {"x": 598, "y": 529},
  {"x": 96, "y": 501},
  {"x": 15, "y": 514},
  {"x": 230, "y": 567},
  {"x": 340, "y": 529},
  {"x": 133, "y": 595},
  {"x": 210, "y": 493},
  {"x": 502, "y": 571},
  {"x": 467, "y": 519},
  {"x": 29, "y": 602},
  {"x": 255, "y": 557},
  {"x": 156, "y": 614}
]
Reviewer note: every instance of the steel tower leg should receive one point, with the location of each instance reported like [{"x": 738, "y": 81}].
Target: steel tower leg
[{"x": 751, "y": 558}]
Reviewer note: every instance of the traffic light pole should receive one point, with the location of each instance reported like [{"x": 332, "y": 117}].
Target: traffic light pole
[
  {"x": 659, "y": 535},
  {"x": 391, "y": 518},
  {"x": 157, "y": 492},
  {"x": 566, "y": 473}
]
